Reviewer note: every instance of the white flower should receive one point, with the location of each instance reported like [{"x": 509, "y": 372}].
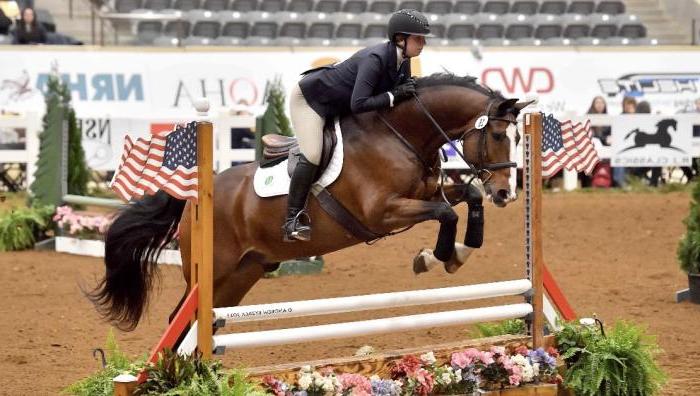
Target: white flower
[
  {"x": 428, "y": 358},
  {"x": 328, "y": 385},
  {"x": 305, "y": 381},
  {"x": 446, "y": 378},
  {"x": 527, "y": 373},
  {"x": 318, "y": 379},
  {"x": 365, "y": 350},
  {"x": 375, "y": 377},
  {"x": 520, "y": 360},
  {"x": 536, "y": 369},
  {"x": 458, "y": 374}
]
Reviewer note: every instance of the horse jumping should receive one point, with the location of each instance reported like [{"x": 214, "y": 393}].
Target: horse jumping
[{"x": 387, "y": 183}]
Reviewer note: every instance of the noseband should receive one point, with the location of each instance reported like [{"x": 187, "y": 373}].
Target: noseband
[{"x": 481, "y": 168}]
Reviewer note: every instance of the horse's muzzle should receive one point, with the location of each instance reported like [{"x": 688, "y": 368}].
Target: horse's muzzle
[{"x": 500, "y": 197}]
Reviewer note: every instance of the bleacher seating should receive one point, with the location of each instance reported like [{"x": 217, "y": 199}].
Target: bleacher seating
[{"x": 361, "y": 22}]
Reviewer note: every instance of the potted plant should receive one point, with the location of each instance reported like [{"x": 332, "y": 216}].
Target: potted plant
[
  {"x": 688, "y": 251},
  {"x": 618, "y": 362}
]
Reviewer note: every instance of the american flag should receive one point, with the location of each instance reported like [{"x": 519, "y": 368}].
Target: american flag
[
  {"x": 567, "y": 145},
  {"x": 165, "y": 162}
]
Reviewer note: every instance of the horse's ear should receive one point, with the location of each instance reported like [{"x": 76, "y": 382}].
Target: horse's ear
[
  {"x": 521, "y": 105},
  {"x": 506, "y": 105}
]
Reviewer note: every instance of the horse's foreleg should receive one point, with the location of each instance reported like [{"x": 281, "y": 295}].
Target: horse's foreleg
[
  {"x": 474, "y": 236},
  {"x": 471, "y": 194},
  {"x": 403, "y": 212}
]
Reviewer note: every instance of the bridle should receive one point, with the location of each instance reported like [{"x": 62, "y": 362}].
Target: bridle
[{"x": 481, "y": 170}]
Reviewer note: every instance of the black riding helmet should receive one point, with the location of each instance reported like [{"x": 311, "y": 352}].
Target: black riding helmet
[{"x": 409, "y": 22}]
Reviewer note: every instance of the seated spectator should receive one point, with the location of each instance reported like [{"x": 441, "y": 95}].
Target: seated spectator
[
  {"x": 5, "y": 23},
  {"x": 600, "y": 177},
  {"x": 603, "y": 133},
  {"x": 28, "y": 30}
]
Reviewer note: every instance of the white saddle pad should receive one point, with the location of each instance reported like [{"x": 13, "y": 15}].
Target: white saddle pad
[{"x": 274, "y": 181}]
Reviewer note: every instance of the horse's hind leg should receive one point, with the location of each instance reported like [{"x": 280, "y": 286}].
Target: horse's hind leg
[{"x": 232, "y": 285}]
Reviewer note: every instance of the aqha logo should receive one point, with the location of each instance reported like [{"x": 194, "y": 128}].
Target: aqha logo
[{"x": 519, "y": 80}]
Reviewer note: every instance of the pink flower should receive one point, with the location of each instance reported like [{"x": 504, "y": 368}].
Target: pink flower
[
  {"x": 498, "y": 350},
  {"x": 274, "y": 384},
  {"x": 505, "y": 362},
  {"x": 514, "y": 379},
  {"x": 553, "y": 352},
  {"x": 522, "y": 350},
  {"x": 515, "y": 369},
  {"x": 426, "y": 381},
  {"x": 461, "y": 359},
  {"x": 358, "y": 384},
  {"x": 407, "y": 366},
  {"x": 486, "y": 358}
]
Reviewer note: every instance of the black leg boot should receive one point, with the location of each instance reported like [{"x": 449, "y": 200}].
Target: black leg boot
[{"x": 297, "y": 225}]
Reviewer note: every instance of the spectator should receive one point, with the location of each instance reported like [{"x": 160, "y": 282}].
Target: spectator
[
  {"x": 600, "y": 177},
  {"x": 5, "y": 23},
  {"x": 28, "y": 30},
  {"x": 598, "y": 106}
]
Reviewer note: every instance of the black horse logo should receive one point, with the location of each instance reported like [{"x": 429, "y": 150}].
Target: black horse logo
[{"x": 662, "y": 137}]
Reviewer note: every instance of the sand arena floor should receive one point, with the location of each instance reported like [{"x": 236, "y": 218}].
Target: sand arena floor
[{"x": 612, "y": 253}]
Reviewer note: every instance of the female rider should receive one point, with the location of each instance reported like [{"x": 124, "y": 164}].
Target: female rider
[{"x": 373, "y": 78}]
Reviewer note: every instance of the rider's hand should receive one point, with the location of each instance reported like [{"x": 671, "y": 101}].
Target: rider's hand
[{"x": 404, "y": 91}]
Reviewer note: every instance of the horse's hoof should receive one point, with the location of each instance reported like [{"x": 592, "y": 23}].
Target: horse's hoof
[
  {"x": 424, "y": 261},
  {"x": 451, "y": 268},
  {"x": 420, "y": 263},
  {"x": 453, "y": 264}
]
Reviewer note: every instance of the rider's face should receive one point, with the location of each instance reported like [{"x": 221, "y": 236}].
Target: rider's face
[{"x": 414, "y": 45}]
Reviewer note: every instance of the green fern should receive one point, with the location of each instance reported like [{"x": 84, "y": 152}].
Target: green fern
[
  {"x": 101, "y": 383},
  {"x": 688, "y": 251},
  {"x": 621, "y": 364},
  {"x": 20, "y": 228},
  {"x": 511, "y": 326}
]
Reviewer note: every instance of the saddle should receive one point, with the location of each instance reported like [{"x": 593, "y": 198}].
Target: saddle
[{"x": 277, "y": 148}]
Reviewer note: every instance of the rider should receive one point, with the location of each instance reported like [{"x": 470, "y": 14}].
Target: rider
[{"x": 373, "y": 78}]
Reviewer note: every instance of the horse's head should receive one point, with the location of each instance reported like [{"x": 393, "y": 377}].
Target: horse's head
[
  {"x": 483, "y": 118},
  {"x": 667, "y": 123},
  {"x": 490, "y": 137}
]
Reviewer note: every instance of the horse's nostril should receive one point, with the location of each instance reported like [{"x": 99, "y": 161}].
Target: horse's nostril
[{"x": 502, "y": 194}]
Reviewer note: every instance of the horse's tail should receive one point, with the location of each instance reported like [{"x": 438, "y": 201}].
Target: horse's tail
[
  {"x": 133, "y": 243},
  {"x": 631, "y": 133}
]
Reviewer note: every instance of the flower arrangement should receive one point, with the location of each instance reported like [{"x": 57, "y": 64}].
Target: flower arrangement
[
  {"x": 466, "y": 372},
  {"x": 79, "y": 225}
]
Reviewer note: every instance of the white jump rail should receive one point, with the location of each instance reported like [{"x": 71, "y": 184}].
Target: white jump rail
[
  {"x": 363, "y": 303},
  {"x": 369, "y": 327}
]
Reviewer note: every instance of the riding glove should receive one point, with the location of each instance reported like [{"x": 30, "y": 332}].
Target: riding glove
[{"x": 404, "y": 91}]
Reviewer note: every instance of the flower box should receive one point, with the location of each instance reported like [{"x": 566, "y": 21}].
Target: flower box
[
  {"x": 95, "y": 248},
  {"x": 527, "y": 390}
]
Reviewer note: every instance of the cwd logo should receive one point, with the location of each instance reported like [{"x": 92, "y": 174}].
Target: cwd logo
[{"x": 537, "y": 79}]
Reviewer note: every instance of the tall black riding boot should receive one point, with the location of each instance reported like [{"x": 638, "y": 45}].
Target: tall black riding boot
[{"x": 297, "y": 226}]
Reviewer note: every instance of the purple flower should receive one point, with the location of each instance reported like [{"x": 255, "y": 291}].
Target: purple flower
[{"x": 385, "y": 388}]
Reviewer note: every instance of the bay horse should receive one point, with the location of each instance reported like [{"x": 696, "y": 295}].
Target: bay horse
[{"x": 387, "y": 182}]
